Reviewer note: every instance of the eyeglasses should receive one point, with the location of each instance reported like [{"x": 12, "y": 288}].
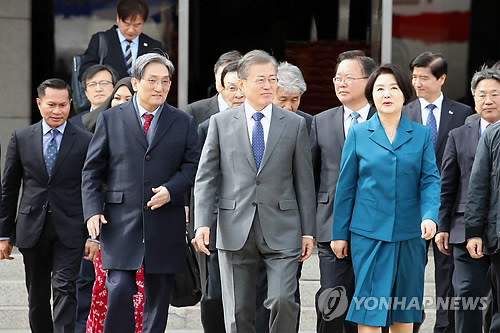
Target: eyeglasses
[
  {"x": 262, "y": 81},
  {"x": 232, "y": 89},
  {"x": 103, "y": 84},
  {"x": 153, "y": 82},
  {"x": 482, "y": 96},
  {"x": 347, "y": 79}
]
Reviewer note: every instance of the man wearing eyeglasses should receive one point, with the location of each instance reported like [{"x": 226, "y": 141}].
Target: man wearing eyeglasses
[
  {"x": 328, "y": 132},
  {"x": 146, "y": 152},
  {"x": 98, "y": 81},
  {"x": 258, "y": 153},
  {"x": 441, "y": 115}
]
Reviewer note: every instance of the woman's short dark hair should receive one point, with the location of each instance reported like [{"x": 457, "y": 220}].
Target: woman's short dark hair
[
  {"x": 402, "y": 79},
  {"x": 132, "y": 8}
]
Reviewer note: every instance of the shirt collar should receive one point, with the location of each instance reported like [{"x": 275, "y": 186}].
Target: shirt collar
[
  {"x": 142, "y": 110},
  {"x": 222, "y": 103},
  {"x": 46, "y": 128},
  {"x": 122, "y": 38},
  {"x": 483, "y": 123},
  {"x": 249, "y": 111},
  {"x": 363, "y": 112},
  {"x": 438, "y": 102}
]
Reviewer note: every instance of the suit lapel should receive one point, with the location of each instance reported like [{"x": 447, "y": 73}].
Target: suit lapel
[
  {"x": 167, "y": 118},
  {"x": 378, "y": 133},
  {"x": 338, "y": 126},
  {"x": 37, "y": 137},
  {"x": 444, "y": 122},
  {"x": 67, "y": 142},
  {"x": 129, "y": 117},
  {"x": 403, "y": 133},
  {"x": 275, "y": 128},
  {"x": 414, "y": 111},
  {"x": 242, "y": 139}
]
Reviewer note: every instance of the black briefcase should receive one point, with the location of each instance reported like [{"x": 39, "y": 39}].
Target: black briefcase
[{"x": 186, "y": 290}]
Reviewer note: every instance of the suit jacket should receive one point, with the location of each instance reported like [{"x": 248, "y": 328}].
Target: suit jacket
[
  {"x": 24, "y": 164},
  {"x": 308, "y": 119},
  {"x": 453, "y": 115},
  {"x": 203, "y": 109},
  {"x": 458, "y": 158},
  {"x": 282, "y": 188},
  {"x": 327, "y": 141},
  {"x": 119, "y": 156},
  {"x": 78, "y": 119},
  {"x": 385, "y": 190},
  {"x": 115, "y": 57}
]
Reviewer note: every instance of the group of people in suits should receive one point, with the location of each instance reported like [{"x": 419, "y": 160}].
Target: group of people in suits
[{"x": 266, "y": 179}]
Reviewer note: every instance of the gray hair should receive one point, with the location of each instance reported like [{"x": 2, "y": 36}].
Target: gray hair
[
  {"x": 226, "y": 58},
  {"x": 290, "y": 78},
  {"x": 255, "y": 57},
  {"x": 484, "y": 73},
  {"x": 148, "y": 58}
]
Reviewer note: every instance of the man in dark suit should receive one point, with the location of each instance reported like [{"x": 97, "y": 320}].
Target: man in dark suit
[
  {"x": 431, "y": 108},
  {"x": 46, "y": 159},
  {"x": 146, "y": 152},
  {"x": 203, "y": 109},
  {"x": 98, "y": 82},
  {"x": 328, "y": 132},
  {"x": 469, "y": 274},
  {"x": 126, "y": 42}
]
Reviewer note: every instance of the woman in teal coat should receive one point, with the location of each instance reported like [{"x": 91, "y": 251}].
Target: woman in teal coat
[{"x": 386, "y": 204}]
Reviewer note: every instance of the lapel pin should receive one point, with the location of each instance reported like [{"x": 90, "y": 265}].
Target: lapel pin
[
  {"x": 145, "y": 44},
  {"x": 450, "y": 112}
]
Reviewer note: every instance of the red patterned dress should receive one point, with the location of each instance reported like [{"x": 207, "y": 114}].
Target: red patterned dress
[{"x": 98, "y": 308}]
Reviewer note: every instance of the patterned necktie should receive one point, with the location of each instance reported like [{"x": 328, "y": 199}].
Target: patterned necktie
[
  {"x": 51, "y": 152},
  {"x": 431, "y": 122},
  {"x": 128, "y": 57},
  {"x": 354, "y": 119},
  {"x": 258, "y": 144},
  {"x": 147, "y": 122}
]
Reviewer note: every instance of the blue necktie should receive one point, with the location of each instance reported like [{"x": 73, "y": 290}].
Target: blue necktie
[
  {"x": 51, "y": 152},
  {"x": 128, "y": 57},
  {"x": 431, "y": 122},
  {"x": 258, "y": 144},
  {"x": 354, "y": 119}
]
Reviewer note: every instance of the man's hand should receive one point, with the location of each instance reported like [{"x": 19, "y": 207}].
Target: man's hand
[
  {"x": 93, "y": 225},
  {"x": 307, "y": 246},
  {"x": 441, "y": 240},
  {"x": 428, "y": 228},
  {"x": 339, "y": 247},
  {"x": 5, "y": 250},
  {"x": 160, "y": 198},
  {"x": 475, "y": 247},
  {"x": 91, "y": 250},
  {"x": 201, "y": 240}
]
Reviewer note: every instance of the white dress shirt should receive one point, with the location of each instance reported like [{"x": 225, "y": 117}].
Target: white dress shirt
[
  {"x": 363, "y": 116},
  {"x": 223, "y": 106},
  {"x": 265, "y": 121},
  {"x": 437, "y": 110}
]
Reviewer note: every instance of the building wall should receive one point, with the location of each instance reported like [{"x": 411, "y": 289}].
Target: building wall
[{"x": 15, "y": 68}]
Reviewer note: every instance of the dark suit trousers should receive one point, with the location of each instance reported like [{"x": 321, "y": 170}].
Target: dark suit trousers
[
  {"x": 495, "y": 289},
  {"x": 334, "y": 272},
  {"x": 468, "y": 281},
  {"x": 84, "y": 286},
  {"x": 48, "y": 263},
  {"x": 122, "y": 286}
]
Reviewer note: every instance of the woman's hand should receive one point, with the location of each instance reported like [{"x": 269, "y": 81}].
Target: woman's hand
[
  {"x": 428, "y": 228},
  {"x": 339, "y": 247}
]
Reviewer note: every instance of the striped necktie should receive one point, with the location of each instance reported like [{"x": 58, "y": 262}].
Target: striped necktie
[{"x": 128, "y": 57}]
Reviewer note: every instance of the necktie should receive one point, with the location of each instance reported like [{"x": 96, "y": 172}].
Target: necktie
[
  {"x": 147, "y": 122},
  {"x": 128, "y": 57},
  {"x": 354, "y": 119},
  {"x": 431, "y": 122},
  {"x": 51, "y": 152},
  {"x": 258, "y": 144}
]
